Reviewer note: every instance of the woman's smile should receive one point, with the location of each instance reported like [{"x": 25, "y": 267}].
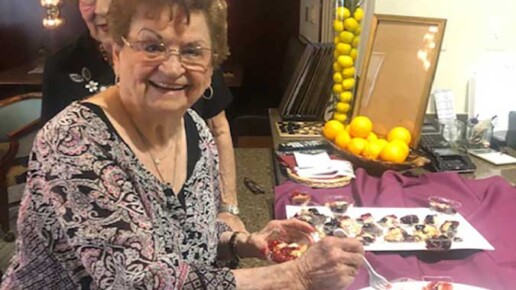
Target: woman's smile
[
  {"x": 167, "y": 86},
  {"x": 103, "y": 27}
]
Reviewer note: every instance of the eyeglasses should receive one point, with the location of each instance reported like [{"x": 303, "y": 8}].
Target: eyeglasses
[
  {"x": 88, "y": 2},
  {"x": 192, "y": 57}
]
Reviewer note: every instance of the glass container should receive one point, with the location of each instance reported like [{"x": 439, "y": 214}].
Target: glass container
[{"x": 349, "y": 21}]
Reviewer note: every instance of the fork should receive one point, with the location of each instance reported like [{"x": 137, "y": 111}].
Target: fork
[{"x": 376, "y": 280}]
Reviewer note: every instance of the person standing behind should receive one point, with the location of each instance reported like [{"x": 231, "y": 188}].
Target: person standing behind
[{"x": 85, "y": 68}]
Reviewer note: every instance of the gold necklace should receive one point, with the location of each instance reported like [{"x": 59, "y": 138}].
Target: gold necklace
[
  {"x": 155, "y": 161},
  {"x": 105, "y": 55}
]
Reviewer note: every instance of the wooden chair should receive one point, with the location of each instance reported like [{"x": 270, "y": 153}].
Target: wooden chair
[{"x": 19, "y": 116}]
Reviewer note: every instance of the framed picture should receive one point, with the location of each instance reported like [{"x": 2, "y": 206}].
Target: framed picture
[{"x": 400, "y": 61}]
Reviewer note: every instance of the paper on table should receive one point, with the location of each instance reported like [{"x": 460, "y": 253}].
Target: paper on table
[
  {"x": 495, "y": 157},
  {"x": 471, "y": 238},
  {"x": 336, "y": 168},
  {"x": 319, "y": 160}
]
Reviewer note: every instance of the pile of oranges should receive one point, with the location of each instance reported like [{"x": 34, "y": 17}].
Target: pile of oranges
[
  {"x": 347, "y": 30},
  {"x": 358, "y": 138}
]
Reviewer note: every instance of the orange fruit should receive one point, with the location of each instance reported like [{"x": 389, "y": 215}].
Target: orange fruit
[
  {"x": 336, "y": 66},
  {"x": 342, "y": 140},
  {"x": 356, "y": 145},
  {"x": 372, "y": 137},
  {"x": 341, "y": 117},
  {"x": 342, "y": 107},
  {"x": 353, "y": 53},
  {"x": 403, "y": 145},
  {"x": 331, "y": 129},
  {"x": 346, "y": 96},
  {"x": 355, "y": 42},
  {"x": 348, "y": 72},
  {"x": 382, "y": 142},
  {"x": 346, "y": 36},
  {"x": 399, "y": 133},
  {"x": 348, "y": 84},
  {"x": 360, "y": 126},
  {"x": 372, "y": 149},
  {"x": 358, "y": 14},
  {"x": 345, "y": 61},
  {"x": 395, "y": 151}
]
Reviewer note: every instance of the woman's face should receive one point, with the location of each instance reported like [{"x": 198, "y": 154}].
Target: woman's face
[
  {"x": 94, "y": 13},
  {"x": 164, "y": 85}
]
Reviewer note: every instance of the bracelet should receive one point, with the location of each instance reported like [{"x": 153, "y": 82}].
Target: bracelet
[{"x": 232, "y": 244}]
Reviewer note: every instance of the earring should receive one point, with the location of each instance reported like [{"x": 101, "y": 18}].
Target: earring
[
  {"x": 210, "y": 95},
  {"x": 117, "y": 80}
]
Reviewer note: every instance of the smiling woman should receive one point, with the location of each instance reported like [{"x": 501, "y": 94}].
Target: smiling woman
[{"x": 123, "y": 190}]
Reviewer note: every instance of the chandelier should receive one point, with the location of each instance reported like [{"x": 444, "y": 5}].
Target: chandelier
[{"x": 52, "y": 19}]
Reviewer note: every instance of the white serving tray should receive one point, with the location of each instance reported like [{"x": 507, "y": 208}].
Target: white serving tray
[{"x": 471, "y": 238}]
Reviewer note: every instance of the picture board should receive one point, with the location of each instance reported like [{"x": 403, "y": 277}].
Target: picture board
[{"x": 399, "y": 66}]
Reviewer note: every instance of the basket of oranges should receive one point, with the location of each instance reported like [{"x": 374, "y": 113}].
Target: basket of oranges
[{"x": 358, "y": 143}]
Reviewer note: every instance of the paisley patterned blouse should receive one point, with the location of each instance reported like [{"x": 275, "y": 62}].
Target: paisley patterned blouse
[{"x": 92, "y": 217}]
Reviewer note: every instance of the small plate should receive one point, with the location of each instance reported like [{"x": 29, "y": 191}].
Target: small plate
[
  {"x": 443, "y": 205},
  {"x": 338, "y": 204},
  {"x": 418, "y": 285},
  {"x": 298, "y": 197}
]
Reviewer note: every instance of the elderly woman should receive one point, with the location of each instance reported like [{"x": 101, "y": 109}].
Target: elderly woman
[
  {"x": 85, "y": 68},
  {"x": 123, "y": 187}
]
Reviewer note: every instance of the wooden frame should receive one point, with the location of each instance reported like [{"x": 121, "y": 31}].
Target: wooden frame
[
  {"x": 28, "y": 127},
  {"x": 7, "y": 160},
  {"x": 398, "y": 70}
]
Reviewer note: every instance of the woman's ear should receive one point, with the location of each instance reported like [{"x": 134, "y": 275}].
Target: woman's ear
[{"x": 116, "y": 48}]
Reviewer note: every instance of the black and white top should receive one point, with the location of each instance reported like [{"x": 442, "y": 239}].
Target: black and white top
[
  {"x": 93, "y": 217},
  {"x": 79, "y": 70}
]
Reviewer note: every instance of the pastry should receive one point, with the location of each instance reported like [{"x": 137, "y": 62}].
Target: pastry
[
  {"x": 410, "y": 219},
  {"x": 388, "y": 221},
  {"x": 281, "y": 251}
]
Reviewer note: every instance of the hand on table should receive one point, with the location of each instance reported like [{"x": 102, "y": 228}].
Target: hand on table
[{"x": 331, "y": 263}]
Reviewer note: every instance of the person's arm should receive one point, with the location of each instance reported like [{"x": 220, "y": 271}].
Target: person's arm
[
  {"x": 219, "y": 127},
  {"x": 104, "y": 219}
]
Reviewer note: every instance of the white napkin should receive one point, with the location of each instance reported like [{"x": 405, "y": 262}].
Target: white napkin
[{"x": 320, "y": 166}]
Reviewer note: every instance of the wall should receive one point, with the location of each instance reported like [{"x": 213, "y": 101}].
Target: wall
[
  {"x": 22, "y": 33},
  {"x": 258, "y": 37},
  {"x": 475, "y": 29}
]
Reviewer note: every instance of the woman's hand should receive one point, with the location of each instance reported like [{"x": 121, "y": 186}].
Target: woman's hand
[
  {"x": 255, "y": 244},
  {"x": 332, "y": 263}
]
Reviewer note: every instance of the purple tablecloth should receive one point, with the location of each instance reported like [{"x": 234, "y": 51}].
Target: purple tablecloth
[{"x": 488, "y": 204}]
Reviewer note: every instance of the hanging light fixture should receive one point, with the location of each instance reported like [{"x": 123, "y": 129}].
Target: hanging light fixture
[{"x": 52, "y": 19}]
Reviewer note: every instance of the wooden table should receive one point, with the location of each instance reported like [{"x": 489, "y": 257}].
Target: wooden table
[
  {"x": 484, "y": 168},
  {"x": 20, "y": 75}
]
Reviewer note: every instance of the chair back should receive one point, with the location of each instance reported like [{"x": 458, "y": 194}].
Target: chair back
[{"x": 17, "y": 113}]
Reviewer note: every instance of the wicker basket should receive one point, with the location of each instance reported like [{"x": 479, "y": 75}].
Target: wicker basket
[
  {"x": 320, "y": 183},
  {"x": 377, "y": 167}
]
